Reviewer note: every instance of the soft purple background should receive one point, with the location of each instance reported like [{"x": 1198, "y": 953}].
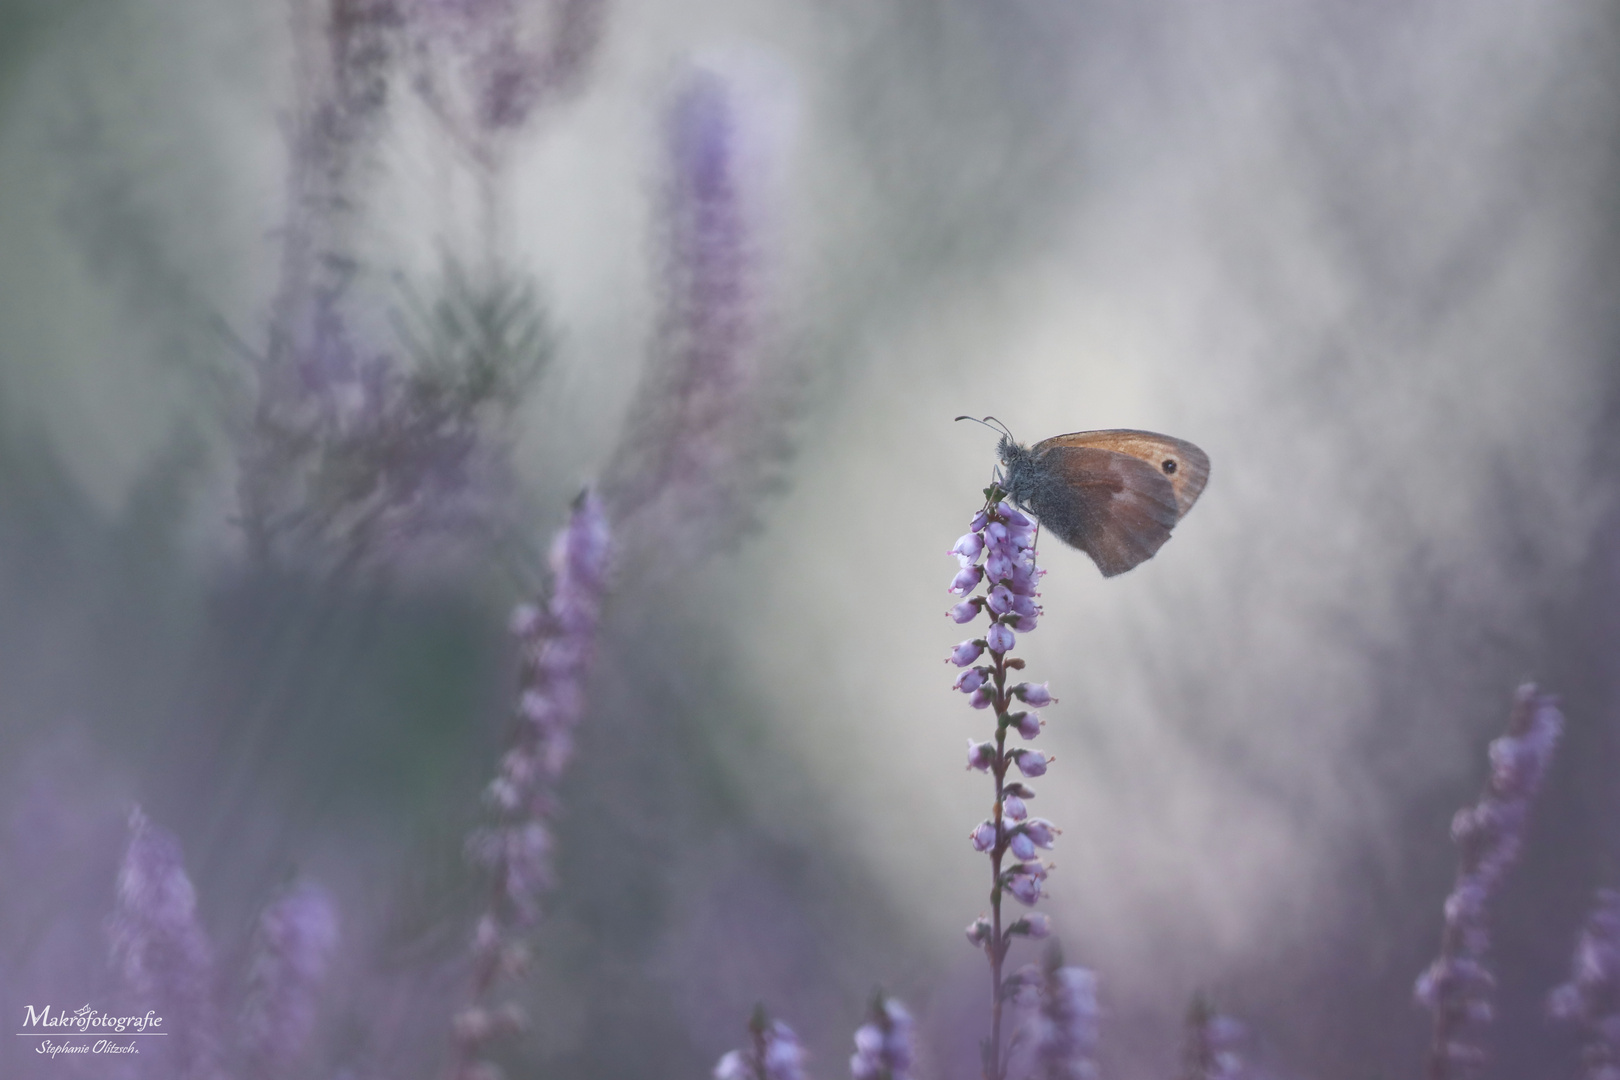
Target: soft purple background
[{"x": 1364, "y": 255}]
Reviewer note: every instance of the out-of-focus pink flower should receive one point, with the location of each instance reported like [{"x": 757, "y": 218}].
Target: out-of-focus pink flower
[
  {"x": 1064, "y": 1028},
  {"x": 883, "y": 1044},
  {"x": 160, "y": 948},
  {"x": 1213, "y": 1045},
  {"x": 558, "y": 644},
  {"x": 1590, "y": 1000},
  {"x": 703, "y": 439},
  {"x": 297, "y": 935},
  {"x": 775, "y": 1054},
  {"x": 1033, "y": 924},
  {"x": 1458, "y": 987}
]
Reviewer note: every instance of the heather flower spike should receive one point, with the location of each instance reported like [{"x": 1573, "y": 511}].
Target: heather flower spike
[
  {"x": 1005, "y": 539},
  {"x": 292, "y": 951},
  {"x": 1458, "y": 987},
  {"x": 1064, "y": 1028},
  {"x": 774, "y": 1053},
  {"x": 558, "y": 644},
  {"x": 1590, "y": 1001},
  {"x": 883, "y": 1044},
  {"x": 160, "y": 948},
  {"x": 1212, "y": 1045}
]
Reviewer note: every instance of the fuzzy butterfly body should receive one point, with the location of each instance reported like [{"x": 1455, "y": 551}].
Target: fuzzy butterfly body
[{"x": 1115, "y": 494}]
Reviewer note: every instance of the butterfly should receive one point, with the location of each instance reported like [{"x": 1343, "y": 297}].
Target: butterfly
[{"x": 1113, "y": 494}]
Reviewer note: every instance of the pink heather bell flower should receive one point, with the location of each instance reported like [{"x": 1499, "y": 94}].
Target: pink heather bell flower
[
  {"x": 967, "y": 579},
  {"x": 967, "y": 652},
  {"x": 981, "y": 755},
  {"x": 883, "y": 1044},
  {"x": 966, "y": 611},
  {"x": 969, "y": 548},
  {"x": 1031, "y": 763},
  {"x": 970, "y": 680},
  {"x": 1033, "y": 694},
  {"x": 1025, "y": 722},
  {"x": 1029, "y": 835},
  {"x": 1458, "y": 987},
  {"x": 1024, "y": 881}
]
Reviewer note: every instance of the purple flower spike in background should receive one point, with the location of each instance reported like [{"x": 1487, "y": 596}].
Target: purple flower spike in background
[
  {"x": 296, "y": 937},
  {"x": 1006, "y": 539},
  {"x": 160, "y": 948},
  {"x": 1458, "y": 987},
  {"x": 704, "y": 439},
  {"x": 883, "y": 1044},
  {"x": 774, "y": 1053},
  {"x": 1064, "y": 1029},
  {"x": 558, "y": 645},
  {"x": 1591, "y": 998},
  {"x": 1212, "y": 1046}
]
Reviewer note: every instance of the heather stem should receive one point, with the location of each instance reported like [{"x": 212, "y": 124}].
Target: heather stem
[{"x": 998, "y": 941}]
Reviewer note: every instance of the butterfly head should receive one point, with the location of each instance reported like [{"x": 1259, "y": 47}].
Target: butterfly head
[
  {"x": 1016, "y": 475},
  {"x": 1018, "y": 471}
]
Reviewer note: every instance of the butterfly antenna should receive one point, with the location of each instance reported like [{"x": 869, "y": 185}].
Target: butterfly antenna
[{"x": 992, "y": 423}]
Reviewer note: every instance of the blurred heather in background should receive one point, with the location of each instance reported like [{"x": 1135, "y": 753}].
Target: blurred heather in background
[{"x": 317, "y": 316}]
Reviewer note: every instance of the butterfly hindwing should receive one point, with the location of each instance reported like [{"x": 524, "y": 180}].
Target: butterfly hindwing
[
  {"x": 1180, "y": 462},
  {"x": 1116, "y": 507}
]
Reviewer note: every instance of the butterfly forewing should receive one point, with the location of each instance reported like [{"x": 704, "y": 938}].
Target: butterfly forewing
[
  {"x": 1180, "y": 462},
  {"x": 1118, "y": 508}
]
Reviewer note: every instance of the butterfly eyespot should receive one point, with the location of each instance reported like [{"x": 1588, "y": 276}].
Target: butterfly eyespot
[{"x": 1169, "y": 466}]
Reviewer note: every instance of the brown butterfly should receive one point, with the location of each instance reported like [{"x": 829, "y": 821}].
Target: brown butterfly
[{"x": 1114, "y": 494}]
